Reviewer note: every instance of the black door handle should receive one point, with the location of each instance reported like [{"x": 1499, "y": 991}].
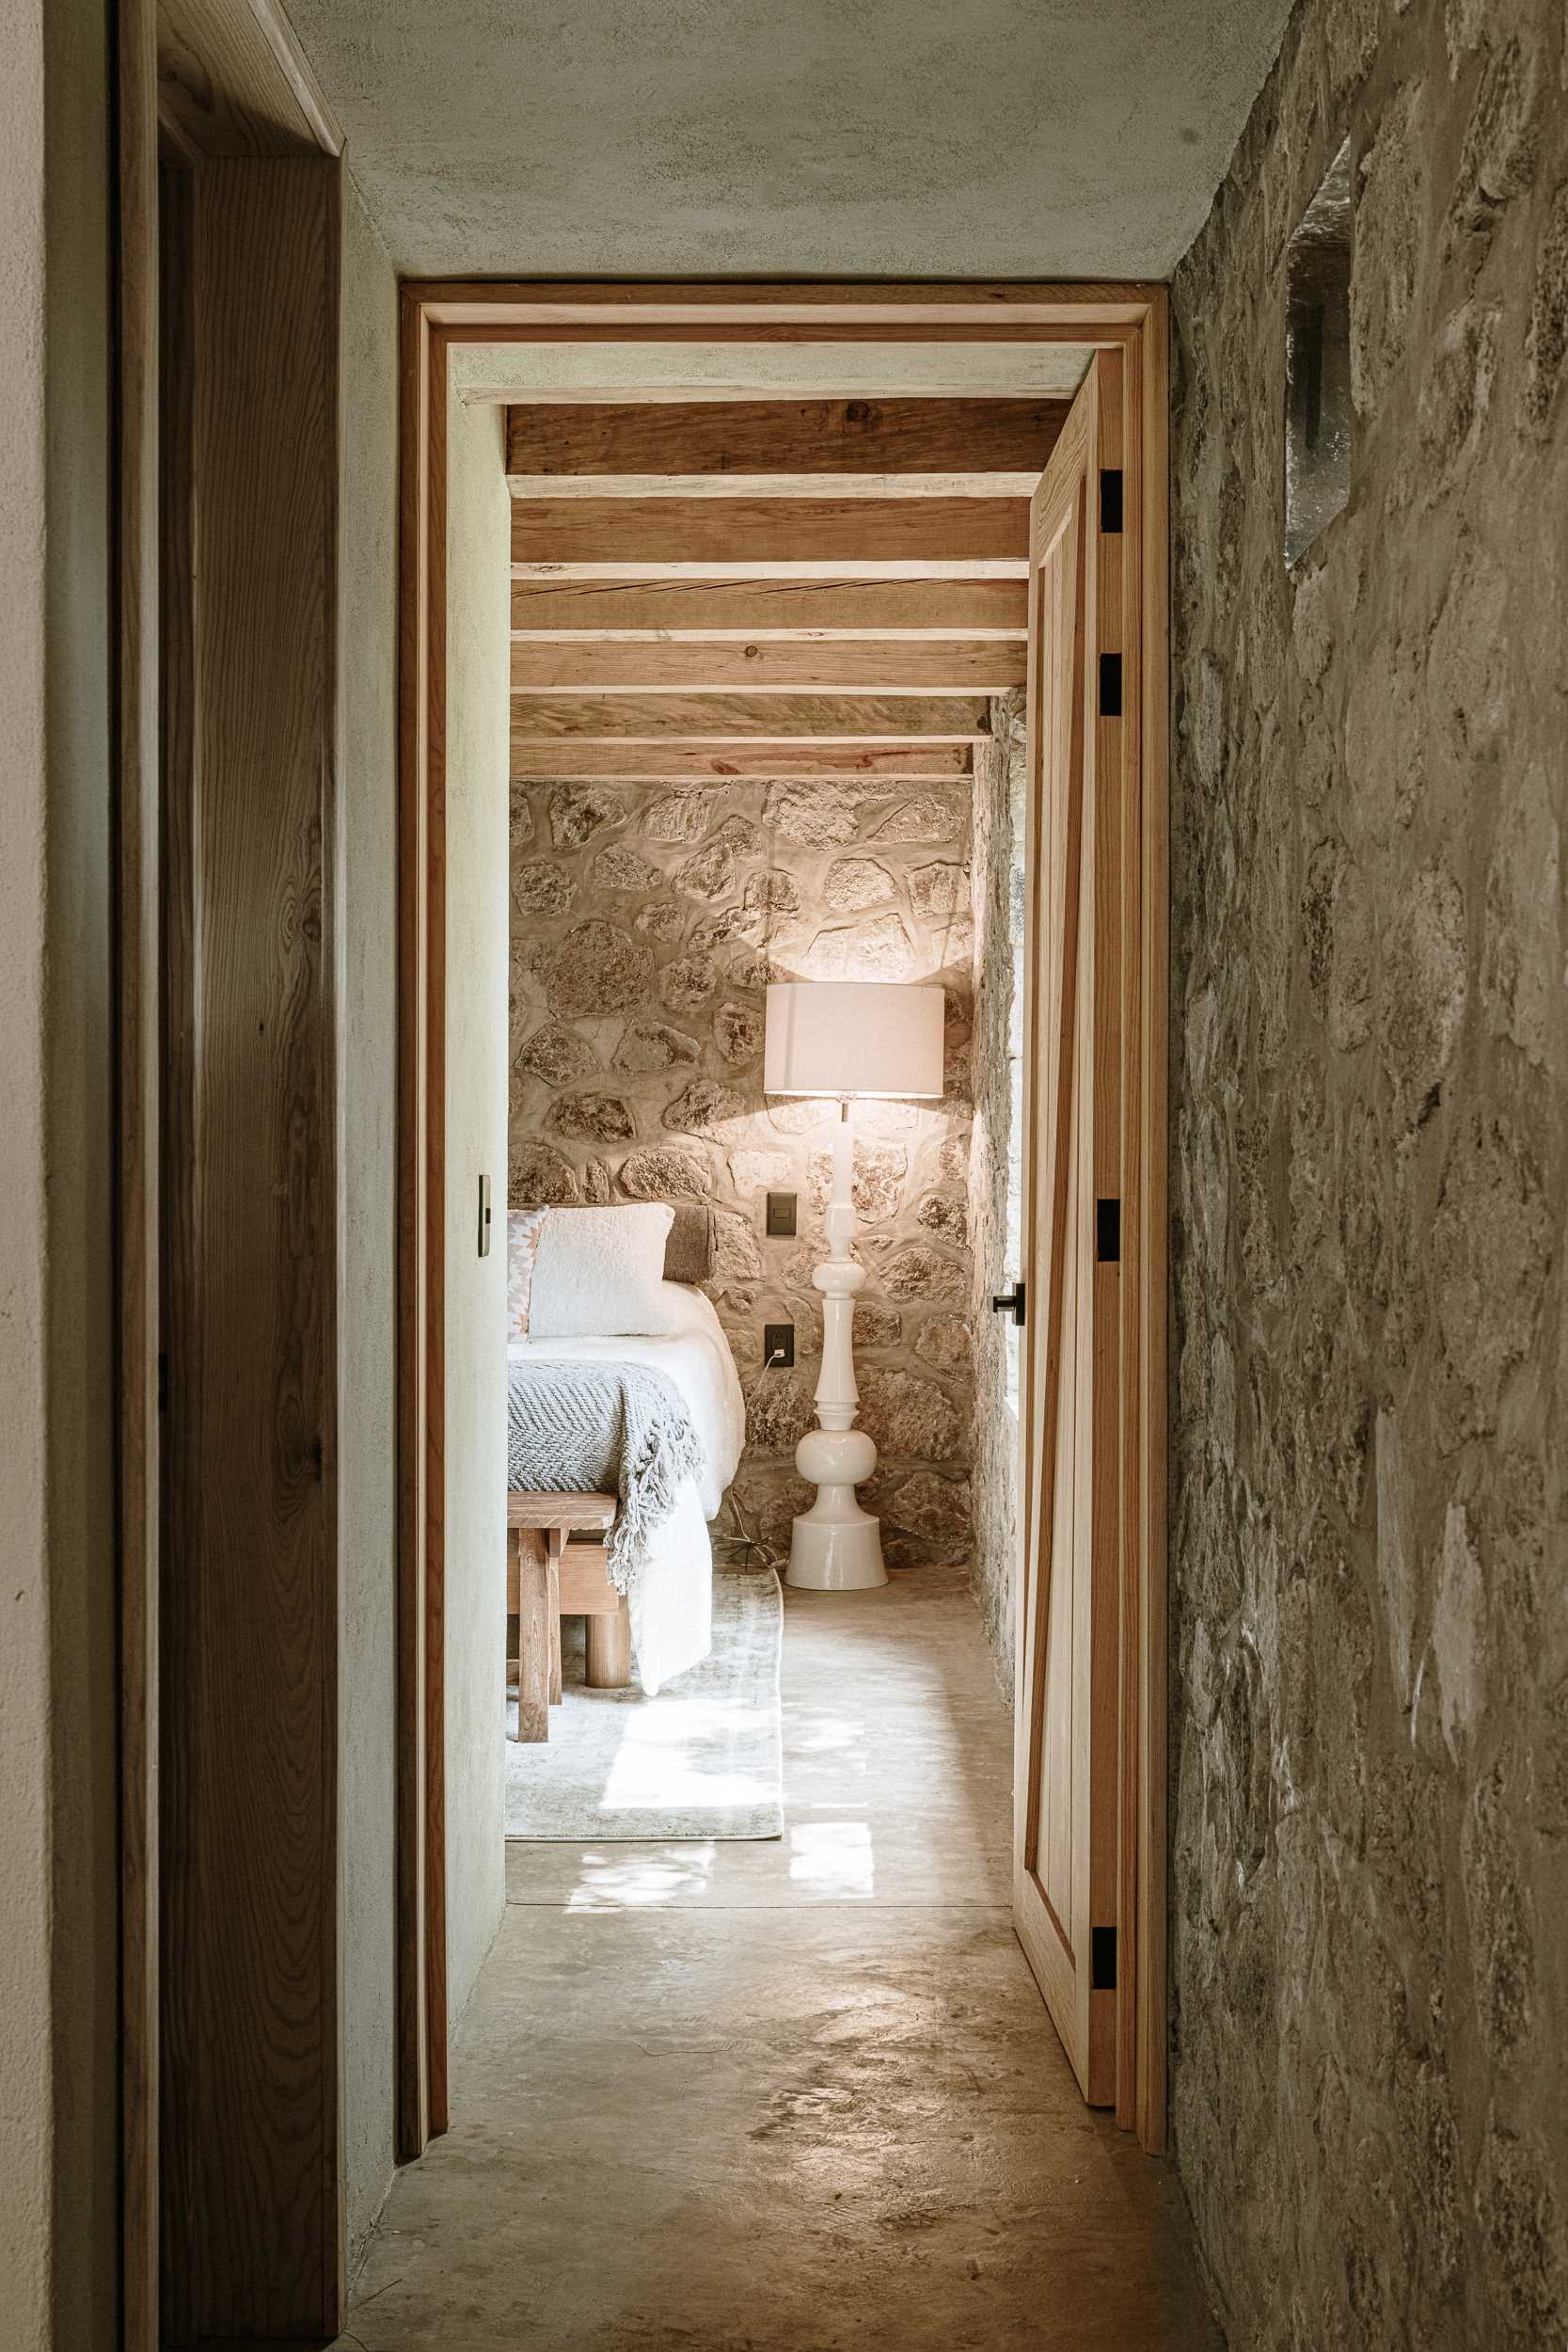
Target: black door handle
[{"x": 1012, "y": 1302}]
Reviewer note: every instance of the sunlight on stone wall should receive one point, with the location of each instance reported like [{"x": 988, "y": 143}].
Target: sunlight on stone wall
[
  {"x": 1370, "y": 1162},
  {"x": 646, "y": 921},
  {"x": 998, "y": 803}
]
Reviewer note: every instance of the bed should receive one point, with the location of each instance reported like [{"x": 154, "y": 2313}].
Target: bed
[{"x": 668, "y": 1600}]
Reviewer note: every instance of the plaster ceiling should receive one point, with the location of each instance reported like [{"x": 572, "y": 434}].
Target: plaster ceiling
[{"x": 879, "y": 139}]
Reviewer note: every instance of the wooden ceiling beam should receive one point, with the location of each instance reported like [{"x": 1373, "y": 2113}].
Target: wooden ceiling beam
[
  {"x": 742, "y": 718},
  {"x": 597, "y": 538},
  {"x": 928, "y": 666},
  {"x": 748, "y": 609},
  {"x": 683, "y": 763},
  {"x": 885, "y": 447}
]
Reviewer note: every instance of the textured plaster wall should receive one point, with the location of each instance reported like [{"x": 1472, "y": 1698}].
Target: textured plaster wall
[
  {"x": 897, "y": 138},
  {"x": 998, "y": 791},
  {"x": 366, "y": 942},
  {"x": 645, "y": 924},
  {"x": 479, "y": 555},
  {"x": 1370, "y": 1166},
  {"x": 57, "y": 1858}
]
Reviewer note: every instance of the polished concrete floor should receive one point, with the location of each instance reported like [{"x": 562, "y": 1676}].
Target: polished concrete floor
[{"x": 792, "y": 2097}]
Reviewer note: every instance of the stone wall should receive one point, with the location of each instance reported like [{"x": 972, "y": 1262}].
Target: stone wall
[
  {"x": 998, "y": 805},
  {"x": 1369, "y": 1165},
  {"x": 645, "y": 924}
]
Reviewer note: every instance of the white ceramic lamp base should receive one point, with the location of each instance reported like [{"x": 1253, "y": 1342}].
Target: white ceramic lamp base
[{"x": 835, "y": 1545}]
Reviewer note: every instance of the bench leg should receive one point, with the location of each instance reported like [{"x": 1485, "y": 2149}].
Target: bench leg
[
  {"x": 610, "y": 1650},
  {"x": 533, "y": 1636},
  {"x": 554, "y": 1539}
]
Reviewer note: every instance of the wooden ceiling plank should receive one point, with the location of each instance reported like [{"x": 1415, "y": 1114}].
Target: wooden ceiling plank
[
  {"x": 871, "y": 666},
  {"x": 843, "y": 533},
  {"x": 761, "y": 609},
  {"x": 740, "y": 718},
  {"x": 678, "y": 763},
  {"x": 779, "y": 440}
]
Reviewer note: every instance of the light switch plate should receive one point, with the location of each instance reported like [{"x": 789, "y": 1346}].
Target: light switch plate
[
  {"x": 780, "y": 1214},
  {"x": 485, "y": 1217}
]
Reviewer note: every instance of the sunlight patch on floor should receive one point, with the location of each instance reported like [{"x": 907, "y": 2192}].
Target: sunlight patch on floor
[{"x": 832, "y": 1858}]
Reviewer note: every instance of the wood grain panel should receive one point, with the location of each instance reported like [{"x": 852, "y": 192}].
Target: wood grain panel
[
  {"x": 232, "y": 80},
  {"x": 180, "y": 1921},
  {"x": 1067, "y": 1765},
  {"x": 742, "y": 718},
  {"x": 772, "y": 608},
  {"x": 139, "y": 954},
  {"x": 435, "y": 781},
  {"x": 655, "y": 763},
  {"x": 1093, "y": 312},
  {"x": 745, "y": 534},
  {"x": 761, "y": 666},
  {"x": 253, "y": 2222},
  {"x": 550, "y": 441},
  {"x": 1145, "y": 1443},
  {"x": 419, "y": 568}
]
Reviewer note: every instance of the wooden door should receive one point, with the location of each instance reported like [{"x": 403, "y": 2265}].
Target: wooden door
[
  {"x": 250, "y": 2186},
  {"x": 1068, "y": 1728}
]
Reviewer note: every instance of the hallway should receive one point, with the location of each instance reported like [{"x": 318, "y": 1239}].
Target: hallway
[{"x": 789, "y": 2097}]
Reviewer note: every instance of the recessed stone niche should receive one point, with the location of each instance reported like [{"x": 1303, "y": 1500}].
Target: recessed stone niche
[{"x": 1319, "y": 412}]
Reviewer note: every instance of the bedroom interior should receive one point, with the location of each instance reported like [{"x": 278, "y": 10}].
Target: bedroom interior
[{"x": 752, "y": 997}]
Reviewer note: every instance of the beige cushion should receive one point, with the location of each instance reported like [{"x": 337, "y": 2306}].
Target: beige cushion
[{"x": 688, "y": 1251}]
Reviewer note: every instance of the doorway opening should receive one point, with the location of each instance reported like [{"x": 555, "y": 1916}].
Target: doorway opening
[{"x": 631, "y": 544}]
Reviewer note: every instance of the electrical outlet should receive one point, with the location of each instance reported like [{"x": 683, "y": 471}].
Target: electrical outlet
[
  {"x": 780, "y": 1214},
  {"x": 778, "y": 1345}
]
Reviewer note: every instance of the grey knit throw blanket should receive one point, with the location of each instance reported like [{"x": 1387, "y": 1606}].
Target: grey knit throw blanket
[{"x": 578, "y": 1428}]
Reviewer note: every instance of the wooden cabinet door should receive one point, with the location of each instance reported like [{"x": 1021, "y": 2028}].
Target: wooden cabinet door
[{"x": 1066, "y": 1787}]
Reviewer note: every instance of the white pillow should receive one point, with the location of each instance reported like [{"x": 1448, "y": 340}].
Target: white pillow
[{"x": 600, "y": 1273}]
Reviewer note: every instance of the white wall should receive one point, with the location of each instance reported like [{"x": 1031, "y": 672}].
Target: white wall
[
  {"x": 479, "y": 555},
  {"x": 366, "y": 946},
  {"x": 58, "y": 1974}
]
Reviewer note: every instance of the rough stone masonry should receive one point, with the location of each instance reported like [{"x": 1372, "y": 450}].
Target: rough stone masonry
[
  {"x": 1369, "y": 1103},
  {"x": 646, "y": 921}
]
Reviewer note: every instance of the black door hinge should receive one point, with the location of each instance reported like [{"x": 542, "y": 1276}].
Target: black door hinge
[
  {"x": 1107, "y": 1232},
  {"x": 1013, "y": 1302},
  {"x": 1102, "y": 1959},
  {"x": 1110, "y": 686},
  {"x": 1110, "y": 498}
]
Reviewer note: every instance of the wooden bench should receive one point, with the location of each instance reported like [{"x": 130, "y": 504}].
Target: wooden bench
[{"x": 548, "y": 1577}]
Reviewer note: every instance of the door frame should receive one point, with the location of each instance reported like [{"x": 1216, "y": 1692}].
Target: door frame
[
  {"x": 437, "y": 314},
  {"x": 226, "y": 79}
]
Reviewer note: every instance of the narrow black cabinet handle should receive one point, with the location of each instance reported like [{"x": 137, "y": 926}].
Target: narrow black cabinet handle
[{"x": 1012, "y": 1302}]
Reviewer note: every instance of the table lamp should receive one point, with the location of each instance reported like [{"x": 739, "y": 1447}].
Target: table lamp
[{"x": 848, "y": 1038}]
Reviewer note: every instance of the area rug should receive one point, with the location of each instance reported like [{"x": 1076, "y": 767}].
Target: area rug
[{"x": 703, "y": 1759}]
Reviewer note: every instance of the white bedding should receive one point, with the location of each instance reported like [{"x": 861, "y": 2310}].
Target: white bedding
[{"x": 671, "y": 1609}]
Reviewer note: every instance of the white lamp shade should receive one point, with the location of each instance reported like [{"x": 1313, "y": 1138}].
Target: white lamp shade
[{"x": 853, "y": 1037}]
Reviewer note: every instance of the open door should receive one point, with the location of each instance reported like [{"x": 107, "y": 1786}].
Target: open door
[{"x": 1068, "y": 1730}]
